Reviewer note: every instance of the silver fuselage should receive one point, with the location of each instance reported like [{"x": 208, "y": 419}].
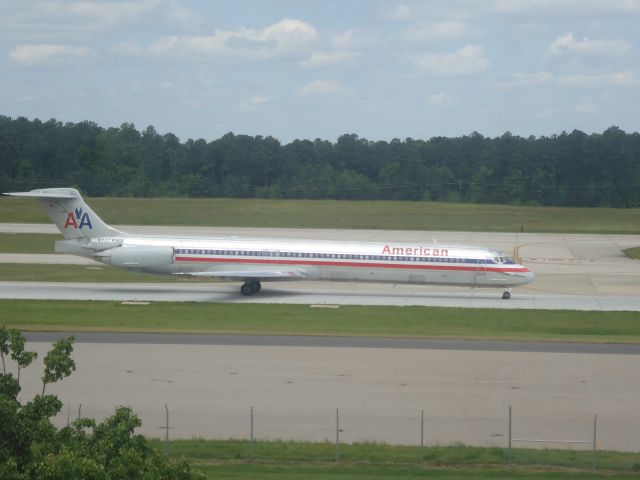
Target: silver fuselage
[
  {"x": 255, "y": 260},
  {"x": 320, "y": 260}
]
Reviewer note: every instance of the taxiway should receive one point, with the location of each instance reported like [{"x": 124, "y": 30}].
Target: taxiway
[{"x": 582, "y": 272}]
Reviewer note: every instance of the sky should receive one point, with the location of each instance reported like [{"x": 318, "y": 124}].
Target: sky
[{"x": 306, "y": 69}]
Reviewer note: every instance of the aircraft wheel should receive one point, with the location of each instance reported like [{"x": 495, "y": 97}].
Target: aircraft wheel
[
  {"x": 506, "y": 295},
  {"x": 249, "y": 288}
]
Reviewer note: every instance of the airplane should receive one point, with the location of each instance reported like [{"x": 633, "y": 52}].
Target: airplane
[{"x": 254, "y": 261}]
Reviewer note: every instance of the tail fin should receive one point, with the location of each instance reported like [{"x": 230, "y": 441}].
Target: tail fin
[{"x": 73, "y": 217}]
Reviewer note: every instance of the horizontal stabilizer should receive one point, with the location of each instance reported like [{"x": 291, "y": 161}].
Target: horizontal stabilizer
[
  {"x": 73, "y": 217},
  {"x": 45, "y": 193}
]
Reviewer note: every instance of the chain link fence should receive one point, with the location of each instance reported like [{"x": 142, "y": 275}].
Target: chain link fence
[{"x": 509, "y": 431}]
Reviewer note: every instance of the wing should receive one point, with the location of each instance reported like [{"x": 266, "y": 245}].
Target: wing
[{"x": 260, "y": 274}]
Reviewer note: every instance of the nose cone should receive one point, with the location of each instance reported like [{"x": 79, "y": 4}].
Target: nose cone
[
  {"x": 527, "y": 276},
  {"x": 520, "y": 275}
]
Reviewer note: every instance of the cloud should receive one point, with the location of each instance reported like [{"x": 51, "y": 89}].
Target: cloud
[
  {"x": 127, "y": 48},
  {"x": 468, "y": 60},
  {"x": 66, "y": 17},
  {"x": 580, "y": 80},
  {"x": 599, "y": 46},
  {"x": 438, "y": 100},
  {"x": 351, "y": 39},
  {"x": 321, "y": 88},
  {"x": 398, "y": 12},
  {"x": 534, "y": 79},
  {"x": 586, "y": 105},
  {"x": 282, "y": 38},
  {"x": 561, "y": 7},
  {"x": 251, "y": 103},
  {"x": 595, "y": 80},
  {"x": 27, "y": 98},
  {"x": 112, "y": 14},
  {"x": 47, "y": 54},
  {"x": 323, "y": 59},
  {"x": 438, "y": 31}
]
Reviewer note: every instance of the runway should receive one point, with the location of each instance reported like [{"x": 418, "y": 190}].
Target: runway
[
  {"x": 309, "y": 293},
  {"x": 575, "y": 272}
]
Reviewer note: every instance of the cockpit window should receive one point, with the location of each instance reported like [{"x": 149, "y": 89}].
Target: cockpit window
[{"x": 507, "y": 260}]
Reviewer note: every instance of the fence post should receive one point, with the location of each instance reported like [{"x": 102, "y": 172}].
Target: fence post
[
  {"x": 509, "y": 434},
  {"x": 595, "y": 429},
  {"x": 68, "y": 415},
  {"x": 251, "y": 439},
  {"x": 337, "y": 436},
  {"x": 166, "y": 437},
  {"x": 79, "y": 411},
  {"x": 422, "y": 437}
]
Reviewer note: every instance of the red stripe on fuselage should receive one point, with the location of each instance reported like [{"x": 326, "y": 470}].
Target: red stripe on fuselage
[{"x": 320, "y": 263}]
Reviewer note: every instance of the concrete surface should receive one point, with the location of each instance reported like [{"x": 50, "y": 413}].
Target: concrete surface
[
  {"x": 334, "y": 341},
  {"x": 307, "y": 293},
  {"x": 379, "y": 392}
]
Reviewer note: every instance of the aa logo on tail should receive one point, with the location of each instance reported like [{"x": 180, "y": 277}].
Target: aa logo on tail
[{"x": 82, "y": 218}]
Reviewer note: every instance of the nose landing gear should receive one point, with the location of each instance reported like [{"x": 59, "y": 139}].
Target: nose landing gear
[
  {"x": 250, "y": 287},
  {"x": 507, "y": 294}
]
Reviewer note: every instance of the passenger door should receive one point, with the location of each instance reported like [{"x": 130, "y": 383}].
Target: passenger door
[{"x": 481, "y": 272}]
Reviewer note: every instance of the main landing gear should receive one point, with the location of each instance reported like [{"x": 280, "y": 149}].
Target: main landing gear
[
  {"x": 250, "y": 287},
  {"x": 507, "y": 294}
]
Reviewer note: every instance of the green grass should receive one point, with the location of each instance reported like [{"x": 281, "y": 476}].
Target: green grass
[
  {"x": 633, "y": 253},
  {"x": 377, "y": 472},
  {"x": 525, "y": 325},
  {"x": 27, "y": 242},
  {"x": 390, "y": 215},
  {"x": 27, "y": 272},
  {"x": 278, "y": 459}
]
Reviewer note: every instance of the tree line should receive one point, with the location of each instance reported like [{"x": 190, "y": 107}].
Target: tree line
[{"x": 567, "y": 169}]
